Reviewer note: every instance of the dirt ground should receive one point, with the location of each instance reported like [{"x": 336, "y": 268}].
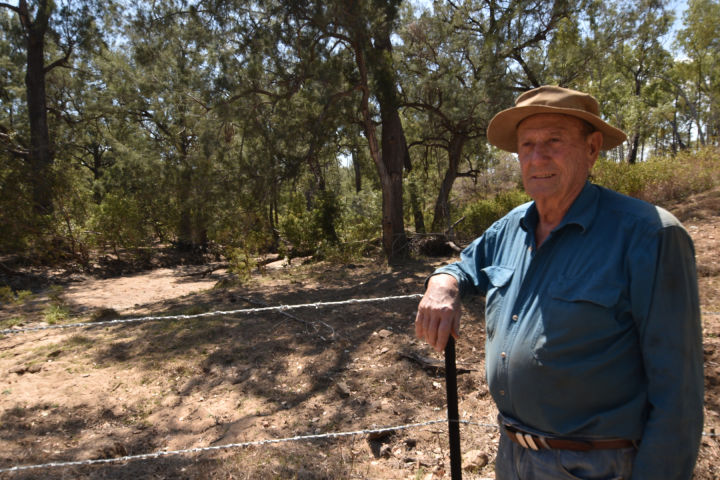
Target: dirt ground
[{"x": 136, "y": 388}]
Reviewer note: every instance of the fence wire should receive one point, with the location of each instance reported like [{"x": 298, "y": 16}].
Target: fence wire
[
  {"x": 166, "y": 453},
  {"x": 280, "y": 308},
  {"x": 216, "y": 313},
  {"x": 255, "y": 443}
]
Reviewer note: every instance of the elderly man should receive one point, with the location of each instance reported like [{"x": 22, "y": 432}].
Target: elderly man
[{"x": 593, "y": 350}]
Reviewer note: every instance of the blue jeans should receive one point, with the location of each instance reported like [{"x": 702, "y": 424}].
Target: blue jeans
[{"x": 515, "y": 462}]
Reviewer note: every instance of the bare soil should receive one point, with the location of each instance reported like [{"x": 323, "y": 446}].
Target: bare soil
[{"x": 130, "y": 389}]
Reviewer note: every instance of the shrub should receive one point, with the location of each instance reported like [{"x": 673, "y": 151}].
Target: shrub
[
  {"x": 481, "y": 214},
  {"x": 120, "y": 221},
  {"x": 6, "y": 294},
  {"x": 662, "y": 179},
  {"x": 241, "y": 262},
  {"x": 307, "y": 230},
  {"x": 55, "y": 313},
  {"x": 360, "y": 223}
]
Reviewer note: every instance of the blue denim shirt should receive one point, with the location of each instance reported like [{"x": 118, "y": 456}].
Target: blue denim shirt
[{"x": 597, "y": 332}]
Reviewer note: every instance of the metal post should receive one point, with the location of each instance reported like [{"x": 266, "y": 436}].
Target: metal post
[{"x": 452, "y": 406}]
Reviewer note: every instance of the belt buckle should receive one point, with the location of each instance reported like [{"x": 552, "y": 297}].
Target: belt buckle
[{"x": 527, "y": 440}]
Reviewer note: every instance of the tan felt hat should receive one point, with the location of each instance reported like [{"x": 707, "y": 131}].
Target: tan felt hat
[{"x": 502, "y": 130}]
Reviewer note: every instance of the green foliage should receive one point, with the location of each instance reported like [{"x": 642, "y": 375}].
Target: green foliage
[
  {"x": 217, "y": 126},
  {"x": 19, "y": 223},
  {"x": 11, "y": 322},
  {"x": 306, "y": 230},
  {"x": 481, "y": 214},
  {"x": 23, "y": 296},
  {"x": 8, "y": 296},
  {"x": 241, "y": 262},
  {"x": 55, "y": 313},
  {"x": 361, "y": 214},
  {"x": 120, "y": 222},
  {"x": 663, "y": 178}
]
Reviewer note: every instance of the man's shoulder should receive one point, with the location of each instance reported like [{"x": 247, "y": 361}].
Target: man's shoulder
[{"x": 635, "y": 210}]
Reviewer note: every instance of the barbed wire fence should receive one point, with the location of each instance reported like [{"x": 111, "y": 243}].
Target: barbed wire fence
[
  {"x": 214, "y": 448},
  {"x": 215, "y": 313},
  {"x": 187, "y": 451}
]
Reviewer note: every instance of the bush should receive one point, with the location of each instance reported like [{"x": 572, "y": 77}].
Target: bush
[
  {"x": 307, "y": 231},
  {"x": 662, "y": 179},
  {"x": 361, "y": 221},
  {"x": 121, "y": 222},
  {"x": 481, "y": 214},
  {"x": 241, "y": 263}
]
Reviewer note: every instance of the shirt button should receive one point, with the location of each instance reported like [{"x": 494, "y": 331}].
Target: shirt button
[
  {"x": 502, "y": 392},
  {"x": 515, "y": 318}
]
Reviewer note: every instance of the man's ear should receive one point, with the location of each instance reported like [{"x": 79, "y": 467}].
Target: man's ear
[{"x": 594, "y": 142}]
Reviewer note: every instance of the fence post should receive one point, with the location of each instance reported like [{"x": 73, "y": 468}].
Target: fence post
[{"x": 452, "y": 406}]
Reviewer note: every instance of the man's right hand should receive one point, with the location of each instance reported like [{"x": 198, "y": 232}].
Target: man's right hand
[{"x": 439, "y": 311}]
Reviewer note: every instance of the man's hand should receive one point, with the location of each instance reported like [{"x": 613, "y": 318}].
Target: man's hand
[{"x": 439, "y": 312}]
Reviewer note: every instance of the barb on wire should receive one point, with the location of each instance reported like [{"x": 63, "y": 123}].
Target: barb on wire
[
  {"x": 320, "y": 436},
  {"x": 166, "y": 453},
  {"x": 280, "y": 308}
]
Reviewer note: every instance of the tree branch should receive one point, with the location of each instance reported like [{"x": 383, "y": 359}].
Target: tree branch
[
  {"x": 60, "y": 61},
  {"x": 11, "y": 7}
]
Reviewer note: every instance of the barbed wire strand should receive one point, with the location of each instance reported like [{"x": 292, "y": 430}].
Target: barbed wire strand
[
  {"x": 279, "y": 308},
  {"x": 320, "y": 436},
  {"x": 165, "y": 453}
]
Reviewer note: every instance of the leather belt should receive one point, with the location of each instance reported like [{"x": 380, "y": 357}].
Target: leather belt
[{"x": 538, "y": 442}]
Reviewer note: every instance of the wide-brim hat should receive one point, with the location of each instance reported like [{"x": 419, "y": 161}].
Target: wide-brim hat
[{"x": 502, "y": 130}]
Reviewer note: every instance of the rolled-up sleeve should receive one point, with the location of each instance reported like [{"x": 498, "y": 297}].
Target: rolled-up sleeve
[
  {"x": 670, "y": 334},
  {"x": 468, "y": 270}
]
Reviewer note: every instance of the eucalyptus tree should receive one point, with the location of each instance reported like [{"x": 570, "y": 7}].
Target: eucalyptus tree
[
  {"x": 464, "y": 62},
  {"x": 163, "y": 87},
  {"x": 364, "y": 28},
  {"x": 629, "y": 64},
  {"x": 324, "y": 67},
  {"x": 51, "y": 33},
  {"x": 699, "y": 68},
  {"x": 16, "y": 202}
]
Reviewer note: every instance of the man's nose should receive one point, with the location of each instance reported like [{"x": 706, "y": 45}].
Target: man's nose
[{"x": 538, "y": 153}]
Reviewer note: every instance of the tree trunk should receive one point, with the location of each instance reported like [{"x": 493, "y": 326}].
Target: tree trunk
[
  {"x": 632, "y": 154},
  {"x": 416, "y": 209},
  {"x": 393, "y": 155},
  {"x": 394, "y": 149},
  {"x": 441, "y": 216},
  {"x": 41, "y": 155},
  {"x": 358, "y": 172},
  {"x": 192, "y": 225}
]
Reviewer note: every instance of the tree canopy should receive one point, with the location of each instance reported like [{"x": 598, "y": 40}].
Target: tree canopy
[{"x": 310, "y": 127}]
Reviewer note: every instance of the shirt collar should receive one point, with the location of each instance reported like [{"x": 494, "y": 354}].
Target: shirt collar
[{"x": 581, "y": 212}]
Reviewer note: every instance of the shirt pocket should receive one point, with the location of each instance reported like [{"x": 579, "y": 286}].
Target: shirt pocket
[
  {"x": 576, "y": 317},
  {"x": 499, "y": 280}
]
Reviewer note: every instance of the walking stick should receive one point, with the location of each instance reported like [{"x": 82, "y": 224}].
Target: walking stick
[{"x": 452, "y": 406}]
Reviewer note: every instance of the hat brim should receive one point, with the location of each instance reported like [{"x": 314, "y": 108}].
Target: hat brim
[{"x": 502, "y": 130}]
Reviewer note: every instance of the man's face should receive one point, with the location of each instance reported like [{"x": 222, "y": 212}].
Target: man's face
[{"x": 555, "y": 157}]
